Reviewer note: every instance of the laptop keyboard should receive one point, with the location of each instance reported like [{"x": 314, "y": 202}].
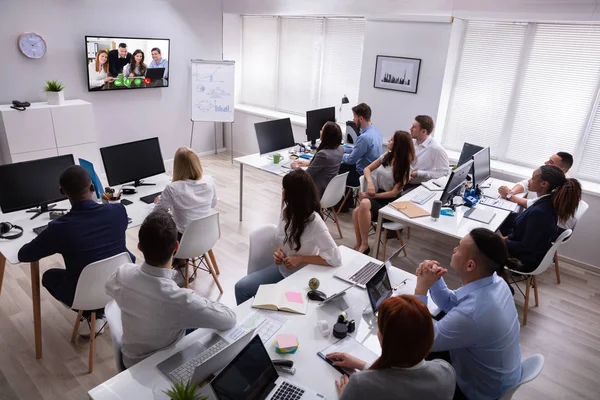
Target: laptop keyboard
[
  {"x": 186, "y": 371},
  {"x": 287, "y": 391},
  {"x": 149, "y": 199},
  {"x": 363, "y": 275}
]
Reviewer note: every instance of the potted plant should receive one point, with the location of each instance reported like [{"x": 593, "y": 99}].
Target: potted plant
[
  {"x": 184, "y": 391},
  {"x": 54, "y": 93}
]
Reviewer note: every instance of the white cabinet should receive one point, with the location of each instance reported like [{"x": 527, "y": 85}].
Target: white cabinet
[{"x": 45, "y": 131}]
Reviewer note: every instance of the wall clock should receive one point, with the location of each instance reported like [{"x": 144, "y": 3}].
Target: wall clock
[{"x": 32, "y": 45}]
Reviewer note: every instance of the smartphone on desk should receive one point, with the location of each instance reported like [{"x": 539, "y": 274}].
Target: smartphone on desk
[{"x": 126, "y": 202}]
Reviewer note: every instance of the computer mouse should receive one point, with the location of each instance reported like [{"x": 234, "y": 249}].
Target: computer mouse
[{"x": 316, "y": 295}]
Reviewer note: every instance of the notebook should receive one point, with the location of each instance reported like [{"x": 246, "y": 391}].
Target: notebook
[
  {"x": 410, "y": 209},
  {"x": 351, "y": 346},
  {"x": 280, "y": 298},
  {"x": 481, "y": 214},
  {"x": 436, "y": 185}
]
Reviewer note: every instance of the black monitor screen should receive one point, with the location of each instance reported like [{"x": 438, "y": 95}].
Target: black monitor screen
[
  {"x": 274, "y": 135},
  {"x": 248, "y": 376},
  {"x": 379, "y": 288},
  {"x": 481, "y": 166},
  {"x": 467, "y": 152},
  {"x": 131, "y": 162},
  {"x": 32, "y": 183},
  {"x": 315, "y": 119},
  {"x": 457, "y": 179}
]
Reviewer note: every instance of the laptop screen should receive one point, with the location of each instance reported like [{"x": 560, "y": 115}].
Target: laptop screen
[
  {"x": 248, "y": 376},
  {"x": 379, "y": 288}
]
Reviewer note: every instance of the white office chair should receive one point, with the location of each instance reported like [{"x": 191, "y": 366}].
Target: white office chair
[
  {"x": 581, "y": 209},
  {"x": 261, "y": 248},
  {"x": 332, "y": 195},
  {"x": 532, "y": 367},
  {"x": 113, "y": 319},
  {"x": 530, "y": 276},
  {"x": 196, "y": 247},
  {"x": 90, "y": 294}
]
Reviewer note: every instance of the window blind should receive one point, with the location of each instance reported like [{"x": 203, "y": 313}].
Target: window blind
[{"x": 589, "y": 167}]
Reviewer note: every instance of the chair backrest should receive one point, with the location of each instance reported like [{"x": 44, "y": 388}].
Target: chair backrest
[
  {"x": 334, "y": 191},
  {"x": 90, "y": 293},
  {"x": 532, "y": 367},
  {"x": 581, "y": 209},
  {"x": 549, "y": 257},
  {"x": 112, "y": 312},
  {"x": 261, "y": 247},
  {"x": 199, "y": 237}
]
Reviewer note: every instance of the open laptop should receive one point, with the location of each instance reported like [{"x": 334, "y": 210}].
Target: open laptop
[
  {"x": 379, "y": 288},
  {"x": 252, "y": 376},
  {"x": 360, "y": 275},
  {"x": 155, "y": 73},
  {"x": 202, "y": 358}
]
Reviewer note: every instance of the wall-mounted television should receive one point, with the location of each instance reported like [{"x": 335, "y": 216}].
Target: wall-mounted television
[{"x": 125, "y": 63}]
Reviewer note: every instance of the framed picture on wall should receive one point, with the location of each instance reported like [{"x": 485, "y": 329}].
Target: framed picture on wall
[{"x": 397, "y": 73}]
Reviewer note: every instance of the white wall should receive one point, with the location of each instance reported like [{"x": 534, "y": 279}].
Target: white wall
[{"x": 194, "y": 28}]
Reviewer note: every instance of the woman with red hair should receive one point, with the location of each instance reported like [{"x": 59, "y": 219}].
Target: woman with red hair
[
  {"x": 406, "y": 336},
  {"x": 98, "y": 70}
]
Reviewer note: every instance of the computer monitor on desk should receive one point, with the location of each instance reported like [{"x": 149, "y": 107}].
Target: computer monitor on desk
[
  {"x": 315, "y": 119},
  {"x": 33, "y": 184},
  {"x": 274, "y": 135},
  {"x": 455, "y": 183},
  {"x": 467, "y": 153},
  {"x": 132, "y": 162},
  {"x": 481, "y": 167}
]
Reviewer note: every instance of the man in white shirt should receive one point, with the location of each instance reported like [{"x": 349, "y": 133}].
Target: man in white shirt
[
  {"x": 431, "y": 160},
  {"x": 156, "y": 312}
]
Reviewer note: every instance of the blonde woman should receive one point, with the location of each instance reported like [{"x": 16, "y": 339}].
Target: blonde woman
[{"x": 98, "y": 70}]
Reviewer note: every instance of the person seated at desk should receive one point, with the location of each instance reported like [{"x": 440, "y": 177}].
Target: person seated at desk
[
  {"x": 98, "y": 70},
  {"x": 534, "y": 229},
  {"x": 479, "y": 335},
  {"x": 325, "y": 163},
  {"x": 159, "y": 62},
  {"x": 302, "y": 237},
  {"x": 155, "y": 312},
  {"x": 88, "y": 233},
  {"x": 385, "y": 178},
  {"x": 431, "y": 161},
  {"x": 136, "y": 67},
  {"x": 367, "y": 148},
  {"x": 406, "y": 336},
  {"x": 117, "y": 59}
]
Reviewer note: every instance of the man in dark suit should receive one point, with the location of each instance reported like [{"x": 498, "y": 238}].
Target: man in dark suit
[{"x": 117, "y": 59}]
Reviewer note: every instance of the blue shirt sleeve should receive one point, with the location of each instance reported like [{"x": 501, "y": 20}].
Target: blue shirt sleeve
[{"x": 360, "y": 148}]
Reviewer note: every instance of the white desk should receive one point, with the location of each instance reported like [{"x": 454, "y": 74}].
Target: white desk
[
  {"x": 457, "y": 226},
  {"x": 9, "y": 249},
  {"x": 138, "y": 381}
]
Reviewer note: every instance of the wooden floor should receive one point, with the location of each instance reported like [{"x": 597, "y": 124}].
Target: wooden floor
[{"x": 565, "y": 328}]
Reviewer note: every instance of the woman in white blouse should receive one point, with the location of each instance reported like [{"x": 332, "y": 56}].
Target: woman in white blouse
[
  {"x": 385, "y": 179},
  {"x": 98, "y": 70},
  {"x": 302, "y": 237},
  {"x": 136, "y": 66}
]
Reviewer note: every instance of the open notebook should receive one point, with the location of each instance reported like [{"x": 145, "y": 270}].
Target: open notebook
[{"x": 280, "y": 297}]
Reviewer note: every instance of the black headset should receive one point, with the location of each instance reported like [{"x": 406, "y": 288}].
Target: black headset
[{"x": 6, "y": 227}]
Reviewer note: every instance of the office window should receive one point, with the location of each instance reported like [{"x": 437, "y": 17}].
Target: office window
[
  {"x": 297, "y": 64},
  {"x": 528, "y": 91}
]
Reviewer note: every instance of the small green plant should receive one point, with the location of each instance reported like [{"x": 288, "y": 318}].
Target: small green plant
[
  {"x": 184, "y": 391},
  {"x": 53, "y": 86}
]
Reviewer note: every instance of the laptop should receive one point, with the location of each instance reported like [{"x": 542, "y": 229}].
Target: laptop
[
  {"x": 379, "y": 288},
  {"x": 360, "y": 275},
  {"x": 252, "y": 376},
  {"x": 203, "y": 358},
  {"x": 155, "y": 73}
]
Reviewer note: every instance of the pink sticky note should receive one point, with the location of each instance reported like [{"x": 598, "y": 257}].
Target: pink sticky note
[
  {"x": 286, "y": 341},
  {"x": 294, "y": 297}
]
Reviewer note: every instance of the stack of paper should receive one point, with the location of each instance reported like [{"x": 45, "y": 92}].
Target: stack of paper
[{"x": 286, "y": 344}]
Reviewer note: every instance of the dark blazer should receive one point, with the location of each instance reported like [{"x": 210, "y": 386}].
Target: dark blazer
[
  {"x": 533, "y": 232},
  {"x": 116, "y": 64},
  {"x": 324, "y": 166}
]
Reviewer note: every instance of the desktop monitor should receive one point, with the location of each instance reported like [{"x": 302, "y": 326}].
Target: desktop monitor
[
  {"x": 132, "y": 162},
  {"x": 481, "y": 166},
  {"x": 32, "y": 184},
  {"x": 274, "y": 135},
  {"x": 468, "y": 151},
  {"x": 315, "y": 119},
  {"x": 455, "y": 182}
]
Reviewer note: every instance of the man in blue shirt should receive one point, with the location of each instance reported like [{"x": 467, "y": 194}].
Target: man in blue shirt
[
  {"x": 89, "y": 232},
  {"x": 367, "y": 148},
  {"x": 159, "y": 62},
  {"x": 480, "y": 332}
]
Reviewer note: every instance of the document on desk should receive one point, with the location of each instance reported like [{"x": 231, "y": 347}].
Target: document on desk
[
  {"x": 500, "y": 203},
  {"x": 436, "y": 184},
  {"x": 266, "y": 323},
  {"x": 351, "y": 346},
  {"x": 481, "y": 214}
]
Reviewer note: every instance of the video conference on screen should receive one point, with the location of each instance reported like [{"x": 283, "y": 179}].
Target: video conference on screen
[{"x": 115, "y": 63}]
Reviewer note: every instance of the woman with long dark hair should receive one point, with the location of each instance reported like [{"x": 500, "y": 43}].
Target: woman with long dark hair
[
  {"x": 325, "y": 164},
  {"x": 136, "y": 67},
  {"x": 401, "y": 372},
  {"x": 535, "y": 229},
  {"x": 302, "y": 237},
  {"x": 385, "y": 178}
]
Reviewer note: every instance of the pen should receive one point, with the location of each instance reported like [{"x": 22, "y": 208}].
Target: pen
[
  {"x": 436, "y": 184},
  {"x": 400, "y": 284}
]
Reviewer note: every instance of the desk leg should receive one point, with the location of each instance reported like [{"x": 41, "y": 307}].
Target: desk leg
[
  {"x": 378, "y": 236},
  {"x": 2, "y": 265},
  {"x": 37, "y": 314},
  {"x": 241, "y": 189}
]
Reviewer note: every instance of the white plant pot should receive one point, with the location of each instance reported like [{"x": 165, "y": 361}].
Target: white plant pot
[{"x": 55, "y": 98}]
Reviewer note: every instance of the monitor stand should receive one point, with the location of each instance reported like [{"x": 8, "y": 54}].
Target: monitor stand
[
  {"x": 139, "y": 182},
  {"x": 450, "y": 204},
  {"x": 44, "y": 209}
]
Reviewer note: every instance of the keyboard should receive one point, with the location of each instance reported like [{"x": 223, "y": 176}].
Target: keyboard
[
  {"x": 186, "y": 371},
  {"x": 287, "y": 391},
  {"x": 422, "y": 197},
  {"x": 39, "y": 229},
  {"x": 150, "y": 198},
  {"x": 286, "y": 164},
  {"x": 363, "y": 275}
]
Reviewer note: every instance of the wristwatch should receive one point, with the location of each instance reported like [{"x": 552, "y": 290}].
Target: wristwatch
[{"x": 508, "y": 196}]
